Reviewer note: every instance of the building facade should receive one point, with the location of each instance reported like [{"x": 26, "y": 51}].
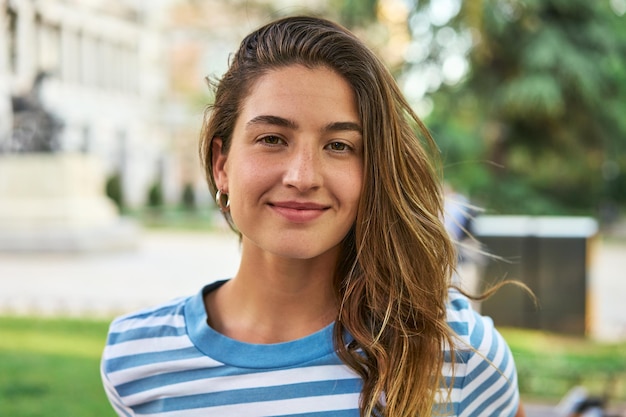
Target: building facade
[{"x": 102, "y": 79}]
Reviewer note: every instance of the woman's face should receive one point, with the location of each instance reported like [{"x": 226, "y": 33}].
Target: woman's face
[{"x": 294, "y": 170}]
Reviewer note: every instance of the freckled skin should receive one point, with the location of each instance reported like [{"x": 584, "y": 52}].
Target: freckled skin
[{"x": 293, "y": 157}]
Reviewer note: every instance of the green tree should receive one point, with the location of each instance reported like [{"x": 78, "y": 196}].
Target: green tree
[
  {"x": 354, "y": 13},
  {"x": 536, "y": 126}
]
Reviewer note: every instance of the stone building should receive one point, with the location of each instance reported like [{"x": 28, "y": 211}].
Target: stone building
[{"x": 105, "y": 78}]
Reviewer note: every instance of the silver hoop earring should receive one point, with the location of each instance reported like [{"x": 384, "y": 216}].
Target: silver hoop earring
[{"x": 219, "y": 199}]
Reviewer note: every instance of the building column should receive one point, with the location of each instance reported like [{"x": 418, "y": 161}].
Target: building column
[
  {"x": 26, "y": 46},
  {"x": 6, "y": 116}
]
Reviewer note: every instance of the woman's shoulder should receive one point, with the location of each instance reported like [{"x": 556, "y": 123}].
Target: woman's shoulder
[
  {"x": 164, "y": 314},
  {"x": 483, "y": 368},
  {"x": 136, "y": 333},
  {"x": 473, "y": 331},
  {"x": 461, "y": 316},
  {"x": 144, "y": 340}
]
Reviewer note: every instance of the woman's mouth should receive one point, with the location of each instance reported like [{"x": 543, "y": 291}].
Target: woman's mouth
[{"x": 298, "y": 212}]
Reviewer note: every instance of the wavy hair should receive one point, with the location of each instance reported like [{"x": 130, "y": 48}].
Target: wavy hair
[{"x": 392, "y": 278}]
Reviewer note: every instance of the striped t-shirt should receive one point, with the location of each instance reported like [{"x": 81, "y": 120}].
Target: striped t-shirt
[{"x": 166, "y": 361}]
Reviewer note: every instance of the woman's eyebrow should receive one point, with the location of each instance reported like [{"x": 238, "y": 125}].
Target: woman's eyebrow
[
  {"x": 266, "y": 119},
  {"x": 271, "y": 120},
  {"x": 342, "y": 126}
]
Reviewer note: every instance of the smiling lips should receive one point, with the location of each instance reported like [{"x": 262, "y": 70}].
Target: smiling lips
[{"x": 298, "y": 212}]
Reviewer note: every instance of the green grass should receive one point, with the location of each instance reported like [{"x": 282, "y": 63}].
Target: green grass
[
  {"x": 549, "y": 365},
  {"x": 50, "y": 367}
]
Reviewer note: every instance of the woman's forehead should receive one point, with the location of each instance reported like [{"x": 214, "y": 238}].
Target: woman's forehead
[{"x": 296, "y": 92}]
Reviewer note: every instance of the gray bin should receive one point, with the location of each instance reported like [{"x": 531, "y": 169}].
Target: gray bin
[{"x": 548, "y": 254}]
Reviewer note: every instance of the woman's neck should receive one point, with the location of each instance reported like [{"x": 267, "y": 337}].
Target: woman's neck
[{"x": 273, "y": 300}]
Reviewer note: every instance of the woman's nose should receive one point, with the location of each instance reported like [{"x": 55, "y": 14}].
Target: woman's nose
[{"x": 303, "y": 169}]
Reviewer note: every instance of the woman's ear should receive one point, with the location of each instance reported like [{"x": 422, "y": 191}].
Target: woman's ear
[{"x": 218, "y": 161}]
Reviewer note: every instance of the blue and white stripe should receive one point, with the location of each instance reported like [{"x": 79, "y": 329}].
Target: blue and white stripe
[{"x": 167, "y": 362}]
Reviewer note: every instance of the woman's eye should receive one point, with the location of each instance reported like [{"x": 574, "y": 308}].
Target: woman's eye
[
  {"x": 271, "y": 140},
  {"x": 338, "y": 146}
]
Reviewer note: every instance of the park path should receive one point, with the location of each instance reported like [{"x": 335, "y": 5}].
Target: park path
[{"x": 164, "y": 265}]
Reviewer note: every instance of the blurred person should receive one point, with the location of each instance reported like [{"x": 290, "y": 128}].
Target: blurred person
[
  {"x": 342, "y": 303},
  {"x": 458, "y": 216}
]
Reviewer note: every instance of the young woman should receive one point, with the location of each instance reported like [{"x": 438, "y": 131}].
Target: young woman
[{"x": 342, "y": 304}]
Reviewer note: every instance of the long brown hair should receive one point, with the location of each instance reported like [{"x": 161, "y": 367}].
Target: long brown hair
[{"x": 392, "y": 278}]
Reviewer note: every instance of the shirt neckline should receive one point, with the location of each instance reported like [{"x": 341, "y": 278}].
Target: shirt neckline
[{"x": 249, "y": 355}]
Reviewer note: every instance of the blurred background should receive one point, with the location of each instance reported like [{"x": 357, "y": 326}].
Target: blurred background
[{"x": 104, "y": 207}]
